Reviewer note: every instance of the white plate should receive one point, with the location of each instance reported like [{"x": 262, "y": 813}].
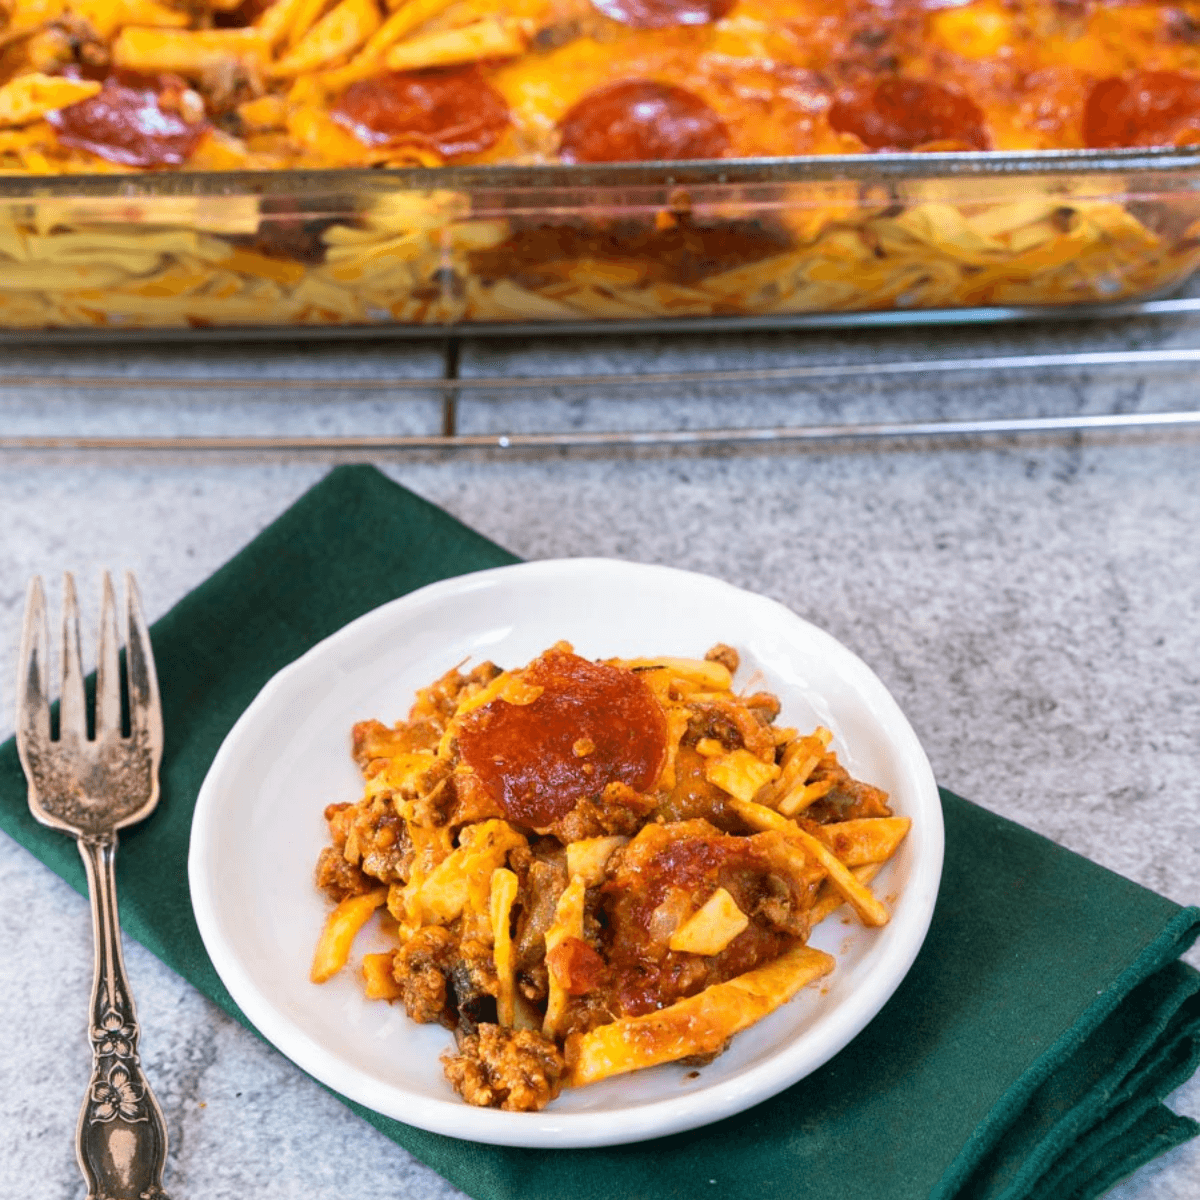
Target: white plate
[{"x": 258, "y": 830}]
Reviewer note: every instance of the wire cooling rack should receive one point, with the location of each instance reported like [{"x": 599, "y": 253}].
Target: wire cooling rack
[{"x": 1135, "y": 343}]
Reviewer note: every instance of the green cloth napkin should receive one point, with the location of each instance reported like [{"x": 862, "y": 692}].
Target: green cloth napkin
[{"x": 1025, "y": 1055}]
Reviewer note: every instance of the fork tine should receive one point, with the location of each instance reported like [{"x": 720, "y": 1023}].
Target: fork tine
[
  {"x": 108, "y": 672},
  {"x": 33, "y": 693},
  {"x": 145, "y": 715},
  {"x": 72, "y": 707}
]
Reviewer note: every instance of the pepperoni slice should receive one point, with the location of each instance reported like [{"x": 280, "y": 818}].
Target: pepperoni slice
[
  {"x": 640, "y": 121},
  {"x": 1149, "y": 108},
  {"x": 902, "y": 114},
  {"x": 453, "y": 111},
  {"x": 126, "y": 123},
  {"x": 592, "y": 725},
  {"x": 659, "y": 14}
]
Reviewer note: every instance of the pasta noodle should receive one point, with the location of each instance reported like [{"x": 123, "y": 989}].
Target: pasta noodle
[
  {"x": 589, "y": 869},
  {"x": 390, "y": 267}
]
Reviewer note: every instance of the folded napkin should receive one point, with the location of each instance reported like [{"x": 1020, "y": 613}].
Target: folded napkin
[{"x": 1025, "y": 1055}]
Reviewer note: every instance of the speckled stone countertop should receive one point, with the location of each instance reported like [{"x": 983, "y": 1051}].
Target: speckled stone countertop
[{"x": 1034, "y": 606}]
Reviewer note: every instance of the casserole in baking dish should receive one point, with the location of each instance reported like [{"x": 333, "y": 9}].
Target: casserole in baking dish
[{"x": 270, "y": 164}]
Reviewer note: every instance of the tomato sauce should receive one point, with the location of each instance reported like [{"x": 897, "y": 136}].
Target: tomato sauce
[
  {"x": 682, "y": 253},
  {"x": 592, "y": 725},
  {"x": 577, "y": 967},
  {"x": 645, "y": 974}
]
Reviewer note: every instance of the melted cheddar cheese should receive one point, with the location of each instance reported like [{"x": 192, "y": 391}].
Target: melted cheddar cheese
[{"x": 96, "y": 85}]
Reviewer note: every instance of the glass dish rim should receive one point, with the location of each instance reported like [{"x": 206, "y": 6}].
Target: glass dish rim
[{"x": 813, "y": 169}]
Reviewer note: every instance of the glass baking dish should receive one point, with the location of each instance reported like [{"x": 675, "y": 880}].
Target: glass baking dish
[{"x": 505, "y": 249}]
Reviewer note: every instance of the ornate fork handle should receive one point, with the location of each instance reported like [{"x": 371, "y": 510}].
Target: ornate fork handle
[{"x": 122, "y": 1138}]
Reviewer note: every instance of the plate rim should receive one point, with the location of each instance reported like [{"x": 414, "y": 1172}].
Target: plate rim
[{"x": 548, "y": 1128}]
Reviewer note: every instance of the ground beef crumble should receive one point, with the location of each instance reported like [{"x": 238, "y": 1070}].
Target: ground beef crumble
[
  {"x": 514, "y": 1069},
  {"x": 421, "y": 968}
]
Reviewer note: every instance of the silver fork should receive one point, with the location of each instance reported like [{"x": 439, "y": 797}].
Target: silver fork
[{"x": 90, "y": 788}]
